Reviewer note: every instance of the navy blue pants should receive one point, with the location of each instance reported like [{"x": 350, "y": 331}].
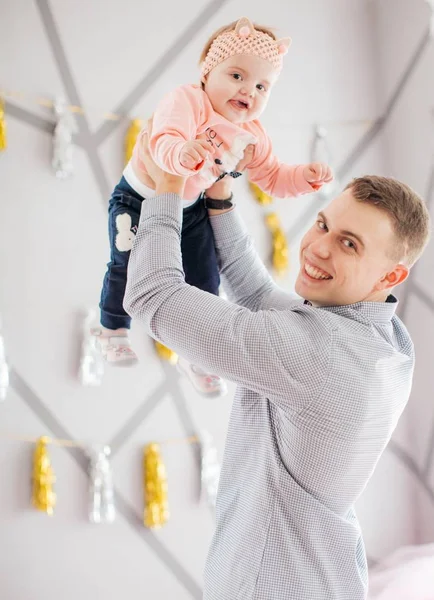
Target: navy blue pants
[{"x": 197, "y": 245}]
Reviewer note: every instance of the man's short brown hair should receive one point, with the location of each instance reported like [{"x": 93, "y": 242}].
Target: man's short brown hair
[{"x": 407, "y": 211}]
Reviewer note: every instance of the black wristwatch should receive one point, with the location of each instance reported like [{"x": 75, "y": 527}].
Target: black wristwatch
[{"x": 218, "y": 204}]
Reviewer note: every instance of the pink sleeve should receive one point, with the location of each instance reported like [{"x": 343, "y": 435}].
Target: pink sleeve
[
  {"x": 175, "y": 122},
  {"x": 274, "y": 177}
]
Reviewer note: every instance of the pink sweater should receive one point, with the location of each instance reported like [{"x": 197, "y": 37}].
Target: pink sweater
[{"x": 187, "y": 114}]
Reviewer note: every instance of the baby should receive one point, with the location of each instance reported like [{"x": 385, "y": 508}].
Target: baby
[{"x": 201, "y": 132}]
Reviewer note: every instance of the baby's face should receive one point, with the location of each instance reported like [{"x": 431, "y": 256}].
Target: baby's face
[{"x": 239, "y": 87}]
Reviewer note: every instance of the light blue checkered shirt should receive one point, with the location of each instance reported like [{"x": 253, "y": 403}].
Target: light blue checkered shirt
[{"x": 320, "y": 391}]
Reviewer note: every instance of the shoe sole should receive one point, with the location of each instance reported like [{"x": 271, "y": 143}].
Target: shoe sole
[
  {"x": 131, "y": 362},
  {"x": 217, "y": 394}
]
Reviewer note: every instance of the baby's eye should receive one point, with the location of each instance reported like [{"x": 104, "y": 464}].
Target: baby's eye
[
  {"x": 260, "y": 87},
  {"x": 236, "y": 76}
]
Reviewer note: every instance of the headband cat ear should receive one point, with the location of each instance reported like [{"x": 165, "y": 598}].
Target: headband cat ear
[
  {"x": 283, "y": 45},
  {"x": 244, "y": 27}
]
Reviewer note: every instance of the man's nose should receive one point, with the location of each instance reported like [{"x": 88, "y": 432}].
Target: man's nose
[{"x": 321, "y": 247}]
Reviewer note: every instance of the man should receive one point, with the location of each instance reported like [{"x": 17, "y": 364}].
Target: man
[{"x": 321, "y": 381}]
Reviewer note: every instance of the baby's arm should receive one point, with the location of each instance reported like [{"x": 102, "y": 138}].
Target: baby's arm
[
  {"x": 173, "y": 143},
  {"x": 282, "y": 180}
]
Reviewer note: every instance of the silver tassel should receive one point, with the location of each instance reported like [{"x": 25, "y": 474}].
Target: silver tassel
[
  {"x": 209, "y": 469},
  {"x": 4, "y": 371},
  {"x": 321, "y": 153},
  {"x": 91, "y": 369},
  {"x": 62, "y": 140},
  {"x": 101, "y": 494},
  {"x": 431, "y": 21}
]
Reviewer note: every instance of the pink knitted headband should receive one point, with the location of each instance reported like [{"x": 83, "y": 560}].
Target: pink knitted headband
[{"x": 245, "y": 39}]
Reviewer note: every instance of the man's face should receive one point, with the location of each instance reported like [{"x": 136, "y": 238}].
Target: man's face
[{"x": 345, "y": 257}]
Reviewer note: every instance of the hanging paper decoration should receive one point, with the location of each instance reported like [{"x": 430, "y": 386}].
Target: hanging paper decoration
[
  {"x": 91, "y": 369},
  {"x": 101, "y": 493},
  {"x": 134, "y": 129},
  {"x": 156, "y": 511},
  {"x": 260, "y": 196},
  {"x": 43, "y": 497},
  {"x": 209, "y": 469},
  {"x": 4, "y": 370},
  {"x": 280, "y": 256},
  {"x": 3, "y": 129},
  {"x": 431, "y": 21},
  {"x": 166, "y": 353},
  {"x": 321, "y": 152},
  {"x": 62, "y": 140}
]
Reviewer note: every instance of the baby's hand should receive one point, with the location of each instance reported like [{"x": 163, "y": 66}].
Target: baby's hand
[
  {"x": 193, "y": 154},
  {"x": 317, "y": 174}
]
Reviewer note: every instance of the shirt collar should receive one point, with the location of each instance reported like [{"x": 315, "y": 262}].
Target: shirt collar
[{"x": 380, "y": 312}]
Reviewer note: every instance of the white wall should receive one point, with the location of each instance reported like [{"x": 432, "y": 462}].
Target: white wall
[
  {"x": 122, "y": 56},
  {"x": 409, "y": 142}
]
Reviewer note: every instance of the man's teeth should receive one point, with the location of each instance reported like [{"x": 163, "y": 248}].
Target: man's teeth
[{"x": 316, "y": 273}]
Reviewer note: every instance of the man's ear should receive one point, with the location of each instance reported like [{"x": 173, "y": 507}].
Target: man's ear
[{"x": 393, "y": 278}]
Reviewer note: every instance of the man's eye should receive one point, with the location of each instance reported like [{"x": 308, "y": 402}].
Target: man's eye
[{"x": 350, "y": 244}]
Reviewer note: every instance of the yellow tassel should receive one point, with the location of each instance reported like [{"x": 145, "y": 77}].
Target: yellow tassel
[
  {"x": 43, "y": 497},
  {"x": 260, "y": 196},
  {"x": 3, "y": 130},
  {"x": 156, "y": 511},
  {"x": 280, "y": 256},
  {"x": 166, "y": 353},
  {"x": 131, "y": 136}
]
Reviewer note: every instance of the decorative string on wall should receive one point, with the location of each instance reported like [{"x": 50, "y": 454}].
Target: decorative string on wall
[
  {"x": 65, "y": 127},
  {"x": 49, "y": 102},
  {"x": 101, "y": 508}
]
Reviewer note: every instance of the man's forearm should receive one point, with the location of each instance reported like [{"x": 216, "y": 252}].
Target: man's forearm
[{"x": 170, "y": 184}]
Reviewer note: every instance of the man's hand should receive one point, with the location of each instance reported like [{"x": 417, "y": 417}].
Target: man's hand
[
  {"x": 164, "y": 182},
  {"x": 194, "y": 153},
  {"x": 222, "y": 189},
  {"x": 317, "y": 174}
]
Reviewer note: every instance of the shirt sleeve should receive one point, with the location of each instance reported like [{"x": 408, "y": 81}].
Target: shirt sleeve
[
  {"x": 175, "y": 122},
  {"x": 265, "y": 351},
  {"x": 272, "y": 176},
  {"x": 245, "y": 279}
]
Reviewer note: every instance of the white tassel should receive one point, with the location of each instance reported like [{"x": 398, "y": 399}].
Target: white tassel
[
  {"x": 62, "y": 140},
  {"x": 101, "y": 494},
  {"x": 321, "y": 153},
  {"x": 210, "y": 469},
  {"x": 4, "y": 370},
  {"x": 431, "y": 20},
  {"x": 91, "y": 370}
]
